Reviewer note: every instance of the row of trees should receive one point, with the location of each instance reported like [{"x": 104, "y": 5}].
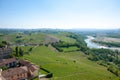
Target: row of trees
[
  {"x": 114, "y": 70},
  {"x": 106, "y": 57},
  {"x": 79, "y": 43},
  {"x": 3, "y": 43},
  {"x": 19, "y": 51},
  {"x": 109, "y": 44}
]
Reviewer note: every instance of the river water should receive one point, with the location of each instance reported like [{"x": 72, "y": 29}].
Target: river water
[{"x": 91, "y": 44}]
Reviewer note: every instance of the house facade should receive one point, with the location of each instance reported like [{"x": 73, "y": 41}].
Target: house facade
[
  {"x": 5, "y": 52},
  {"x": 11, "y": 62}
]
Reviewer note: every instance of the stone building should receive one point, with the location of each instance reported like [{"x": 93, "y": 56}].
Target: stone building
[
  {"x": 11, "y": 62},
  {"x": 5, "y": 52},
  {"x": 18, "y": 73},
  {"x": 18, "y": 69}
]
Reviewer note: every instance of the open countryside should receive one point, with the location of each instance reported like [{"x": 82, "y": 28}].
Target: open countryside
[
  {"x": 59, "y": 39},
  {"x": 63, "y": 55}
]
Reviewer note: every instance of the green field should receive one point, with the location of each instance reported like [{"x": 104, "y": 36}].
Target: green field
[
  {"x": 25, "y": 38},
  {"x": 63, "y": 36},
  {"x": 68, "y": 66},
  {"x": 34, "y": 38},
  {"x": 74, "y": 48},
  {"x": 71, "y": 64}
]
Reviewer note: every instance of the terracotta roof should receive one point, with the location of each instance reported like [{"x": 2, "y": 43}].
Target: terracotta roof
[
  {"x": 7, "y": 61},
  {"x": 33, "y": 68},
  {"x": 2, "y": 78},
  {"x": 26, "y": 67},
  {"x": 14, "y": 71},
  {"x": 24, "y": 62},
  {"x": 30, "y": 66}
]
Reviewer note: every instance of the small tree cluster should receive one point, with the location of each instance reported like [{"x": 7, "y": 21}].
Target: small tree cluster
[
  {"x": 19, "y": 51},
  {"x": 114, "y": 70}
]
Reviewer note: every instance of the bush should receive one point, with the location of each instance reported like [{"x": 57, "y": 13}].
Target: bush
[
  {"x": 18, "y": 36},
  {"x": 49, "y": 75},
  {"x": 3, "y": 67},
  {"x": 114, "y": 70}
]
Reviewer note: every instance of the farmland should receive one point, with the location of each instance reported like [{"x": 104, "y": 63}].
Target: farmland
[
  {"x": 68, "y": 66},
  {"x": 64, "y": 54}
]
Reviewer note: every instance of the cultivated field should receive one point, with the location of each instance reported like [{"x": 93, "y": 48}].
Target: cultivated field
[
  {"x": 71, "y": 64},
  {"x": 68, "y": 66}
]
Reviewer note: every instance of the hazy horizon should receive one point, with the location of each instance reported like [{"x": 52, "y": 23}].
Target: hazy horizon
[{"x": 60, "y": 14}]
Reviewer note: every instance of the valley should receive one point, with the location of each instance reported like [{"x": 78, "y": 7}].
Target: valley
[{"x": 63, "y": 55}]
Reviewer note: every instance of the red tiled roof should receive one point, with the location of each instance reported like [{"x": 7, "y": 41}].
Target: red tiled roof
[
  {"x": 30, "y": 66},
  {"x": 7, "y": 61},
  {"x": 2, "y": 78},
  {"x": 26, "y": 67},
  {"x": 33, "y": 68},
  {"x": 14, "y": 71},
  {"x": 25, "y": 63}
]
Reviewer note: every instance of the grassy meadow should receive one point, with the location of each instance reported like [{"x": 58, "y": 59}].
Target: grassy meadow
[
  {"x": 74, "y": 48},
  {"x": 24, "y": 38},
  {"x": 67, "y": 66},
  {"x": 70, "y": 64}
]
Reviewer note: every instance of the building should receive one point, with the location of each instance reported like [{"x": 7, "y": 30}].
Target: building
[
  {"x": 33, "y": 70},
  {"x": 18, "y": 73},
  {"x": 1, "y": 77},
  {"x": 18, "y": 69},
  {"x": 5, "y": 52},
  {"x": 11, "y": 62}
]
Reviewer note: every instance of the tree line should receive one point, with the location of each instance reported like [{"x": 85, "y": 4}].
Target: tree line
[
  {"x": 19, "y": 51},
  {"x": 105, "y": 57},
  {"x": 109, "y": 44},
  {"x": 79, "y": 43}
]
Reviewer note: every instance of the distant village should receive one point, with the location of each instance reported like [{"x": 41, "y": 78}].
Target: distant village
[{"x": 15, "y": 69}]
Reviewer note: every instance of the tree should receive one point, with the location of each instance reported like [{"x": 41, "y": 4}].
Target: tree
[
  {"x": 20, "y": 52},
  {"x": 30, "y": 49},
  {"x": 16, "y": 49},
  {"x": 3, "y": 67},
  {"x": 4, "y": 42},
  {"x": 2, "y": 45}
]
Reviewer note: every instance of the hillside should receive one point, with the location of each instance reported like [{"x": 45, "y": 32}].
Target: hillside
[
  {"x": 68, "y": 66},
  {"x": 64, "y": 54}
]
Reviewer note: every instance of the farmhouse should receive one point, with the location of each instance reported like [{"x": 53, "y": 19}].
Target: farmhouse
[
  {"x": 19, "y": 73},
  {"x": 20, "y": 70}
]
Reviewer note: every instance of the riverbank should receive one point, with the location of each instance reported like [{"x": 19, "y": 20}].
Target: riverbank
[{"x": 92, "y": 44}]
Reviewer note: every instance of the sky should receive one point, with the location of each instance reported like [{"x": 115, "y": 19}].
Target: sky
[{"x": 60, "y": 14}]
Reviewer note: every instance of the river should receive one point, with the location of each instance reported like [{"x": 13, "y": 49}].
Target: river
[{"x": 91, "y": 44}]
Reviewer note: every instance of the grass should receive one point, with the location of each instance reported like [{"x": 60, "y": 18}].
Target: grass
[
  {"x": 33, "y": 38},
  {"x": 10, "y": 37},
  {"x": 63, "y": 36},
  {"x": 69, "y": 65},
  {"x": 64, "y": 65},
  {"x": 73, "y": 48}
]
